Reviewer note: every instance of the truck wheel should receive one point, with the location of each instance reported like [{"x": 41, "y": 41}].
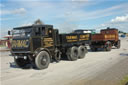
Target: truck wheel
[
  {"x": 57, "y": 56},
  {"x": 72, "y": 53},
  {"x": 82, "y": 51},
  {"x": 86, "y": 50},
  {"x": 21, "y": 62},
  {"x": 118, "y": 44},
  {"x": 42, "y": 60},
  {"x": 108, "y": 46}
]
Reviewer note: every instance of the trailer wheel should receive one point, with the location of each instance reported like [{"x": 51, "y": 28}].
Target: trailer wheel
[
  {"x": 42, "y": 60},
  {"x": 72, "y": 53},
  {"x": 108, "y": 46},
  {"x": 118, "y": 44},
  {"x": 21, "y": 62},
  {"x": 82, "y": 51}
]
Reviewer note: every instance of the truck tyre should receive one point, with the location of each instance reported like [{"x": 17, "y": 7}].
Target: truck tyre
[
  {"x": 82, "y": 51},
  {"x": 42, "y": 60},
  {"x": 57, "y": 55},
  {"x": 108, "y": 46},
  {"x": 86, "y": 50},
  {"x": 21, "y": 62},
  {"x": 72, "y": 53},
  {"x": 118, "y": 44}
]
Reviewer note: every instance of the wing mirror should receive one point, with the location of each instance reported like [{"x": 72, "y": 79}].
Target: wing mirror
[{"x": 9, "y": 32}]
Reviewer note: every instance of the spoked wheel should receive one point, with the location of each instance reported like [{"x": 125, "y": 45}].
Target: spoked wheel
[
  {"x": 82, "y": 50},
  {"x": 42, "y": 60},
  {"x": 108, "y": 46},
  {"x": 72, "y": 53},
  {"x": 21, "y": 62}
]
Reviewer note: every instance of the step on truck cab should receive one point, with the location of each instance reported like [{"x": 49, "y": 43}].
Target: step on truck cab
[{"x": 38, "y": 45}]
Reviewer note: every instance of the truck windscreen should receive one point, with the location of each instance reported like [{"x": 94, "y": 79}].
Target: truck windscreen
[{"x": 22, "y": 32}]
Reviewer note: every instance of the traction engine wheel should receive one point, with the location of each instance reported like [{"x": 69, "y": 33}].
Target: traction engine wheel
[{"x": 42, "y": 60}]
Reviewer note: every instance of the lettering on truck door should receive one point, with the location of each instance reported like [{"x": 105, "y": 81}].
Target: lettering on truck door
[{"x": 48, "y": 42}]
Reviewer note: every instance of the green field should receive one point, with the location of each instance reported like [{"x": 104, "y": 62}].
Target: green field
[
  {"x": 2, "y": 46},
  {"x": 124, "y": 81}
]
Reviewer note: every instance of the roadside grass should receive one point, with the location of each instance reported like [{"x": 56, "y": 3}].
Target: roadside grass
[
  {"x": 2, "y": 46},
  {"x": 124, "y": 81}
]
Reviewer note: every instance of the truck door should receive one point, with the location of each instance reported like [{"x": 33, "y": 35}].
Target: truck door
[{"x": 48, "y": 40}]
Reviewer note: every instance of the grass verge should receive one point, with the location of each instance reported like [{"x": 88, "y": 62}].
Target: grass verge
[{"x": 124, "y": 81}]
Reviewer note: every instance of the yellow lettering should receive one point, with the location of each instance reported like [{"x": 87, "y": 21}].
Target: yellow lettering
[
  {"x": 19, "y": 43},
  {"x": 71, "y": 37}
]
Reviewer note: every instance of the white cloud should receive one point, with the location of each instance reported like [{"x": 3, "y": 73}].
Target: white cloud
[
  {"x": 16, "y": 11},
  {"x": 27, "y": 24},
  {"x": 120, "y": 22},
  {"x": 120, "y": 19},
  {"x": 102, "y": 12},
  {"x": 66, "y": 27},
  {"x": 74, "y": 9},
  {"x": 19, "y": 11}
]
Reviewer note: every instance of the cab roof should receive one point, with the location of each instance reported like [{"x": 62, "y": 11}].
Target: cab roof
[{"x": 25, "y": 27}]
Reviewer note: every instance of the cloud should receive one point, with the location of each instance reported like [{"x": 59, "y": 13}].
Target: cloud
[
  {"x": 73, "y": 9},
  {"x": 27, "y": 24},
  {"x": 66, "y": 27},
  {"x": 120, "y": 22},
  {"x": 6, "y": 18},
  {"x": 19, "y": 11},
  {"x": 66, "y": 15},
  {"x": 120, "y": 19},
  {"x": 117, "y": 9},
  {"x": 15, "y": 11}
]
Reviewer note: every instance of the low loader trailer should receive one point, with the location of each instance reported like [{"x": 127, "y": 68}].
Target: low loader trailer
[
  {"x": 40, "y": 44},
  {"x": 105, "y": 39}
]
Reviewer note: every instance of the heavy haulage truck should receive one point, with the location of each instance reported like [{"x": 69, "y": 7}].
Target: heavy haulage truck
[
  {"x": 40, "y": 44},
  {"x": 105, "y": 39}
]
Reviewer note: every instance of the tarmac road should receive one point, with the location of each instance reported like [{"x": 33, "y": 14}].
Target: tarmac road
[{"x": 97, "y": 68}]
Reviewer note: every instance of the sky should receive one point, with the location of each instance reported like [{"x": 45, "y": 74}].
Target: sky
[{"x": 65, "y": 15}]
